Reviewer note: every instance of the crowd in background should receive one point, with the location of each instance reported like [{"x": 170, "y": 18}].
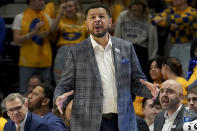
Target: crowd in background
[{"x": 163, "y": 33}]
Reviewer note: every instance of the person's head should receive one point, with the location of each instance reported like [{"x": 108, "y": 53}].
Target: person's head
[
  {"x": 16, "y": 107},
  {"x": 155, "y": 69},
  {"x": 41, "y": 96},
  {"x": 71, "y": 7},
  {"x": 193, "y": 49},
  {"x": 170, "y": 95},
  {"x": 178, "y": 3},
  {"x": 171, "y": 65},
  {"x": 98, "y": 19},
  {"x": 36, "y": 5},
  {"x": 34, "y": 81},
  {"x": 192, "y": 98},
  {"x": 150, "y": 108},
  {"x": 138, "y": 8}
]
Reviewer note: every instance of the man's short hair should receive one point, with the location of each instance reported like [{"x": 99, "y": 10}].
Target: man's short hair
[
  {"x": 97, "y": 5},
  {"x": 192, "y": 90},
  {"x": 13, "y": 96},
  {"x": 48, "y": 92},
  {"x": 155, "y": 102}
]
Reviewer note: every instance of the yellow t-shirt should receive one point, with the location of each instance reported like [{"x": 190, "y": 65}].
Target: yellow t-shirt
[
  {"x": 184, "y": 85},
  {"x": 116, "y": 10},
  {"x": 2, "y": 123},
  {"x": 71, "y": 32},
  {"x": 35, "y": 52},
  {"x": 138, "y": 106},
  {"x": 50, "y": 9}
]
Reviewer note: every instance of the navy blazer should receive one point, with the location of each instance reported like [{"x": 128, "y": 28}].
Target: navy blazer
[
  {"x": 33, "y": 123},
  {"x": 55, "y": 123}
]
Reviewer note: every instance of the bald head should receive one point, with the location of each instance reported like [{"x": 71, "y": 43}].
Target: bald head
[
  {"x": 174, "y": 84},
  {"x": 170, "y": 96}
]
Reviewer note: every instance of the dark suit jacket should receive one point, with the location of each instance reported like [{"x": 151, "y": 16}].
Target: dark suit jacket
[
  {"x": 178, "y": 122},
  {"x": 82, "y": 75},
  {"x": 33, "y": 123},
  {"x": 55, "y": 123}
]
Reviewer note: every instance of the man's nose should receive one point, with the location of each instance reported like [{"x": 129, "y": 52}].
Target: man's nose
[
  {"x": 191, "y": 102},
  {"x": 97, "y": 18}
]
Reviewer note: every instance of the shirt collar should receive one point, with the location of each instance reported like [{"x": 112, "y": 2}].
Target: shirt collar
[
  {"x": 95, "y": 44},
  {"x": 173, "y": 116}
]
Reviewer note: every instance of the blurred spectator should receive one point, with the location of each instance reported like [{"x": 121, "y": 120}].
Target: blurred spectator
[
  {"x": 133, "y": 26},
  {"x": 40, "y": 102},
  {"x": 192, "y": 98},
  {"x": 70, "y": 26},
  {"x": 192, "y": 72},
  {"x": 155, "y": 70},
  {"x": 21, "y": 119},
  {"x": 141, "y": 123},
  {"x": 33, "y": 82},
  {"x": 171, "y": 118},
  {"x": 172, "y": 69},
  {"x": 30, "y": 30},
  {"x": 115, "y": 7},
  {"x": 192, "y": 104},
  {"x": 2, "y": 119},
  {"x": 150, "y": 108},
  {"x": 183, "y": 27},
  {"x": 2, "y": 34}
]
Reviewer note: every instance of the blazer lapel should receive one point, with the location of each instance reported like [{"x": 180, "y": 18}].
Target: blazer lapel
[
  {"x": 89, "y": 53},
  {"x": 28, "y": 122},
  {"x": 178, "y": 118},
  {"x": 117, "y": 58}
]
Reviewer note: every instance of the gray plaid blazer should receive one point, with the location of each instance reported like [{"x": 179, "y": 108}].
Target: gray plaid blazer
[{"x": 81, "y": 74}]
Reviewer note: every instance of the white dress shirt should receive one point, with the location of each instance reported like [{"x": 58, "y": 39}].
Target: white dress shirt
[
  {"x": 170, "y": 120},
  {"x": 22, "y": 124},
  {"x": 104, "y": 59}
]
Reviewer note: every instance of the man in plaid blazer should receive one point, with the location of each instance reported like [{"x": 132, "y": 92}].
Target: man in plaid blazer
[{"x": 100, "y": 74}]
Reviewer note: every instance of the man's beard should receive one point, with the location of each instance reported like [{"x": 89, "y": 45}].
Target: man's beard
[
  {"x": 99, "y": 35},
  {"x": 33, "y": 107}
]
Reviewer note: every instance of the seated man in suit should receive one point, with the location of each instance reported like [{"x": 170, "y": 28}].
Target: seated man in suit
[
  {"x": 21, "y": 119},
  {"x": 171, "y": 118},
  {"x": 40, "y": 102}
]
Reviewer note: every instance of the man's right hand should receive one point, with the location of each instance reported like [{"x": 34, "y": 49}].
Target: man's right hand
[{"x": 60, "y": 100}]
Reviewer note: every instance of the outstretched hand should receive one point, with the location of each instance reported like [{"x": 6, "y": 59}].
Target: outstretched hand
[
  {"x": 60, "y": 100},
  {"x": 152, "y": 87}
]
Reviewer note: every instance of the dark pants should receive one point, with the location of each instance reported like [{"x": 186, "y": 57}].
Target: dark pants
[{"x": 109, "y": 122}]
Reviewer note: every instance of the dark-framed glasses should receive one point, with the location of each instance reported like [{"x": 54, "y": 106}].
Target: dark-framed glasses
[{"x": 15, "y": 109}]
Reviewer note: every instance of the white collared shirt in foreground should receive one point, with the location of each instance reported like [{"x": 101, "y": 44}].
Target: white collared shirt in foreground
[
  {"x": 104, "y": 59},
  {"x": 170, "y": 120}
]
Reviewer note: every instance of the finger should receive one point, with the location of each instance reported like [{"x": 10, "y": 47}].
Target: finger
[
  {"x": 59, "y": 107},
  {"x": 69, "y": 93},
  {"x": 143, "y": 81}
]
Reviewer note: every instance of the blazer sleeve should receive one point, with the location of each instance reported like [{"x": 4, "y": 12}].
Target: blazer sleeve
[
  {"x": 137, "y": 87},
  {"x": 66, "y": 82}
]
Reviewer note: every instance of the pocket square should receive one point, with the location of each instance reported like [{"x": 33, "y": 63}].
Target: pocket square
[{"x": 125, "y": 61}]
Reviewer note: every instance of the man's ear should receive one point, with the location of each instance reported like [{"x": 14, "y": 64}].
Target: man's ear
[
  {"x": 45, "y": 101},
  {"x": 110, "y": 22}
]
